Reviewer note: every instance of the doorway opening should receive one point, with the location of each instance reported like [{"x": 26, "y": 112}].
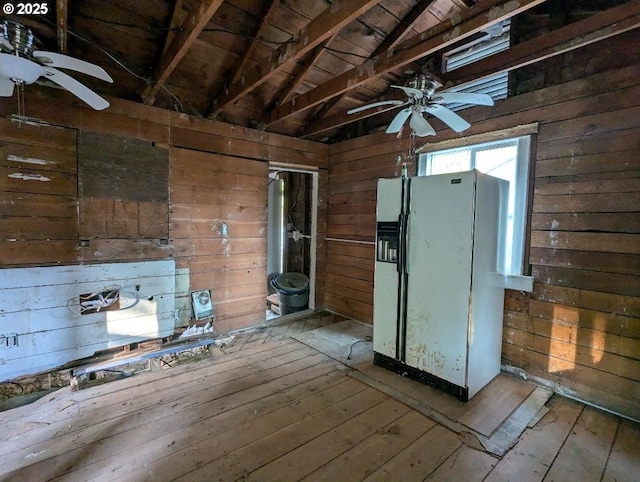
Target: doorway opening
[{"x": 291, "y": 240}]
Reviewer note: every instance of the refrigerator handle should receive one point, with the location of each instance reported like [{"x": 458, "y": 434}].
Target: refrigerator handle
[
  {"x": 403, "y": 244},
  {"x": 400, "y": 260}
]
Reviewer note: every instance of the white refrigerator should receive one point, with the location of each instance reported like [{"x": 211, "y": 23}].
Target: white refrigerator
[{"x": 438, "y": 299}]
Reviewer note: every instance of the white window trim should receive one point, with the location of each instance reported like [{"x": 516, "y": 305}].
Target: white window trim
[{"x": 522, "y": 134}]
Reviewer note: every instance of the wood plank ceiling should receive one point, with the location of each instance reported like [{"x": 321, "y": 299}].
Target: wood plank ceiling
[{"x": 287, "y": 66}]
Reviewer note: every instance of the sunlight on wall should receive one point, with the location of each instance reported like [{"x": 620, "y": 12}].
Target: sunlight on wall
[
  {"x": 137, "y": 318},
  {"x": 598, "y": 337},
  {"x": 563, "y": 338}
]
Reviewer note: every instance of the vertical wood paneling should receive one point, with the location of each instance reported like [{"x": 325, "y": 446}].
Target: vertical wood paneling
[{"x": 579, "y": 328}]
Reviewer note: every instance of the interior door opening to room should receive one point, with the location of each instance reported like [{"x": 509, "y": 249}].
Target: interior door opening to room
[{"x": 291, "y": 240}]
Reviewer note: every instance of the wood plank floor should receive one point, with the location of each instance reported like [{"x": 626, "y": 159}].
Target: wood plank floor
[{"x": 272, "y": 408}]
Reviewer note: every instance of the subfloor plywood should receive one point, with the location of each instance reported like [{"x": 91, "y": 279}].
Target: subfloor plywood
[{"x": 348, "y": 341}]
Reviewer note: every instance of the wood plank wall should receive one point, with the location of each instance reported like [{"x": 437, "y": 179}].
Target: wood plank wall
[
  {"x": 219, "y": 231},
  {"x": 354, "y": 169},
  {"x": 123, "y": 186},
  {"x": 217, "y": 173},
  {"x": 38, "y": 195},
  {"x": 580, "y": 328}
]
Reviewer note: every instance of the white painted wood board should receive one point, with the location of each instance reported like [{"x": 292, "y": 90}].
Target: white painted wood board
[{"x": 41, "y": 306}]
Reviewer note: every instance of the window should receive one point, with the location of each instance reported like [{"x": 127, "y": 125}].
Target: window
[{"x": 507, "y": 159}]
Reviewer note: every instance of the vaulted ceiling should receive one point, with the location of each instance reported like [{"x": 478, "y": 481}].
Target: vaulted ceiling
[{"x": 296, "y": 66}]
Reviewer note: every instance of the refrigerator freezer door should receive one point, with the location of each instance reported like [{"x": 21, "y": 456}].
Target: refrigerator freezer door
[
  {"x": 440, "y": 245},
  {"x": 385, "y": 291}
]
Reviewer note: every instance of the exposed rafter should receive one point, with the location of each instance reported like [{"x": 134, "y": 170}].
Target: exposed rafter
[
  {"x": 300, "y": 76},
  {"x": 483, "y": 14},
  {"x": 62, "y": 12},
  {"x": 403, "y": 27},
  {"x": 259, "y": 33},
  {"x": 177, "y": 17},
  {"x": 191, "y": 28},
  {"x": 342, "y": 118},
  {"x": 326, "y": 107},
  {"x": 594, "y": 28},
  {"x": 389, "y": 42},
  {"x": 325, "y": 25}
]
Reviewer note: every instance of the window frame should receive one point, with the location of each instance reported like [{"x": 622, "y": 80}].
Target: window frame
[{"x": 525, "y": 160}]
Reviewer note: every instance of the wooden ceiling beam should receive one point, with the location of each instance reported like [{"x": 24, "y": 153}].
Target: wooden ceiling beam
[
  {"x": 177, "y": 17},
  {"x": 594, "y": 28},
  {"x": 389, "y": 42},
  {"x": 300, "y": 76},
  {"x": 326, "y": 107},
  {"x": 325, "y": 25},
  {"x": 459, "y": 27},
  {"x": 403, "y": 27},
  {"x": 62, "y": 19},
  {"x": 266, "y": 17},
  {"x": 342, "y": 118},
  {"x": 191, "y": 28}
]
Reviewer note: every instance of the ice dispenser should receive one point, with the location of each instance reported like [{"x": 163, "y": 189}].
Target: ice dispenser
[{"x": 387, "y": 242}]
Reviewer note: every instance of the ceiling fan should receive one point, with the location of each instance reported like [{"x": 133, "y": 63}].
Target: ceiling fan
[
  {"x": 21, "y": 63},
  {"x": 423, "y": 99}
]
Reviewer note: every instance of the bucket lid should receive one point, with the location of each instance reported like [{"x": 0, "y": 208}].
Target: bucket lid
[{"x": 293, "y": 282}]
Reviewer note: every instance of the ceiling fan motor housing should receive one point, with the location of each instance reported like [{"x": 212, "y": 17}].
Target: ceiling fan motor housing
[
  {"x": 15, "y": 38},
  {"x": 425, "y": 84}
]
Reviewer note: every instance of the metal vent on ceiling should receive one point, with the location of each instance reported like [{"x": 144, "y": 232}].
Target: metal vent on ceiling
[{"x": 496, "y": 40}]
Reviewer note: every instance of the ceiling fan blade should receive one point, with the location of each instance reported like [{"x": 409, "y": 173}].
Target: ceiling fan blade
[
  {"x": 6, "y": 87},
  {"x": 463, "y": 98},
  {"x": 375, "y": 104},
  {"x": 410, "y": 91},
  {"x": 449, "y": 117},
  {"x": 398, "y": 121},
  {"x": 420, "y": 125},
  {"x": 19, "y": 68},
  {"x": 77, "y": 89},
  {"x": 52, "y": 59}
]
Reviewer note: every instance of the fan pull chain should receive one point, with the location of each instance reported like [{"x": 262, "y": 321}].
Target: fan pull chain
[{"x": 21, "y": 102}]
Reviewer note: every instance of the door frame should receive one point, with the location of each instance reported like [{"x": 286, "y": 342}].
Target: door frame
[{"x": 314, "y": 171}]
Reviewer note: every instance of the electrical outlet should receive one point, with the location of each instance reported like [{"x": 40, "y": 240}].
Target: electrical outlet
[{"x": 9, "y": 341}]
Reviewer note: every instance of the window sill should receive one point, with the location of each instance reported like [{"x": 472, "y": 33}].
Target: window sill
[{"x": 513, "y": 281}]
